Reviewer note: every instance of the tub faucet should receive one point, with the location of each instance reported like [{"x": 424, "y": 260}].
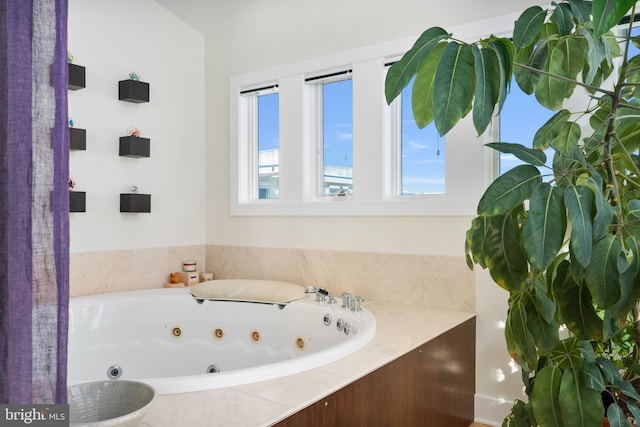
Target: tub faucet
[{"x": 322, "y": 294}]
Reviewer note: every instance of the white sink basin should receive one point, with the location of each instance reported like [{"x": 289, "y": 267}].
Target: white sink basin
[{"x": 109, "y": 403}]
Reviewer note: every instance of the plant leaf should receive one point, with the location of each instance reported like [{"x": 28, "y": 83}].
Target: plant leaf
[
  {"x": 487, "y": 89},
  {"x": 563, "y": 17},
  {"x": 545, "y": 397},
  {"x": 509, "y": 190},
  {"x": 550, "y": 91},
  {"x": 579, "y": 202},
  {"x": 551, "y": 129},
  {"x": 505, "y": 53},
  {"x": 581, "y": 10},
  {"x": 422, "y": 92},
  {"x": 575, "y": 305},
  {"x": 533, "y": 156},
  {"x": 527, "y": 27},
  {"x": 593, "y": 376},
  {"x": 454, "y": 86},
  {"x": 401, "y": 73},
  {"x": 604, "y": 211},
  {"x": 545, "y": 334},
  {"x": 475, "y": 241},
  {"x": 602, "y": 276},
  {"x": 503, "y": 255},
  {"x": 608, "y": 13},
  {"x": 517, "y": 319},
  {"x": 568, "y": 138},
  {"x": 580, "y": 405},
  {"x": 545, "y": 226}
]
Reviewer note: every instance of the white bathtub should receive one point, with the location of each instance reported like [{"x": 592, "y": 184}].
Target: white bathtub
[{"x": 165, "y": 338}]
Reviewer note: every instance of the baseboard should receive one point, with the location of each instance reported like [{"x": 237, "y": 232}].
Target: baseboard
[{"x": 491, "y": 411}]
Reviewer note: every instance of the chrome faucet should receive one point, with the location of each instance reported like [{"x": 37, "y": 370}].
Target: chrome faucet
[{"x": 322, "y": 294}]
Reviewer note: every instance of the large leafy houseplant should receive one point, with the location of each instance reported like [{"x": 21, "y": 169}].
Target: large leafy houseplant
[{"x": 564, "y": 241}]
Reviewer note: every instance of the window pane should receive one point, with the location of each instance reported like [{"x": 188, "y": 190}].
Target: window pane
[
  {"x": 337, "y": 131},
  {"x": 422, "y": 157},
  {"x": 268, "y": 146},
  {"x": 520, "y": 119}
]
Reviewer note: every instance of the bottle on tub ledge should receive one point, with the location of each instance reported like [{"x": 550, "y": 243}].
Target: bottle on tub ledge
[{"x": 188, "y": 276}]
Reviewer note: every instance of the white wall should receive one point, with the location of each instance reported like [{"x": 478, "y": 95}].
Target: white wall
[{"x": 111, "y": 39}]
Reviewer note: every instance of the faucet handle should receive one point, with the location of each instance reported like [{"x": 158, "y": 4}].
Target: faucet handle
[
  {"x": 346, "y": 300},
  {"x": 357, "y": 301}
]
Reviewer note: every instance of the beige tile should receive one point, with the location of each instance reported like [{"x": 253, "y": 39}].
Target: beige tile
[
  {"x": 234, "y": 262},
  {"x": 316, "y": 267},
  {"x": 149, "y": 268},
  {"x": 357, "y": 273},
  {"x": 213, "y": 408},
  {"x": 100, "y": 272},
  {"x": 400, "y": 279},
  {"x": 299, "y": 389},
  {"x": 448, "y": 283},
  {"x": 280, "y": 264}
]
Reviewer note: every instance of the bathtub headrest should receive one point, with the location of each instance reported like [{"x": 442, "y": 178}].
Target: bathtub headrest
[{"x": 263, "y": 291}]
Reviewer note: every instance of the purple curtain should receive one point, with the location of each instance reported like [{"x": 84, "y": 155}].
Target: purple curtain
[{"x": 34, "y": 201}]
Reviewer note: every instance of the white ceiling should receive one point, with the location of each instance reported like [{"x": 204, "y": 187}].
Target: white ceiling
[{"x": 205, "y": 14}]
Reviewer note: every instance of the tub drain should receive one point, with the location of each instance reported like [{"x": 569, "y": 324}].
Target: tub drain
[
  {"x": 213, "y": 368},
  {"x": 114, "y": 372}
]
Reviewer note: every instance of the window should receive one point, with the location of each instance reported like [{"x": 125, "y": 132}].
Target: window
[
  {"x": 334, "y": 117},
  {"x": 520, "y": 118},
  {"x": 263, "y": 141},
  {"x": 422, "y": 153},
  {"x": 268, "y": 146}
]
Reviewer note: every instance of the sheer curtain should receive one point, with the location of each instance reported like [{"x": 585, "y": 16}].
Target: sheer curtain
[{"x": 34, "y": 201}]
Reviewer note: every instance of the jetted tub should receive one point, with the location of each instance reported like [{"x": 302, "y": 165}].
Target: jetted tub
[{"x": 178, "y": 342}]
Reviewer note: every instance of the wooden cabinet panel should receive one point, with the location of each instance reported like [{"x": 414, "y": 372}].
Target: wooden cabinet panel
[{"x": 432, "y": 385}]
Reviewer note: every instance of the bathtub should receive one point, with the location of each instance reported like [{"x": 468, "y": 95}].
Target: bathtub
[{"x": 176, "y": 343}]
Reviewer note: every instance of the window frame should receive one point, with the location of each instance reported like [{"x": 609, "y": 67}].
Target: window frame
[
  {"x": 315, "y": 103},
  {"x": 469, "y": 168}
]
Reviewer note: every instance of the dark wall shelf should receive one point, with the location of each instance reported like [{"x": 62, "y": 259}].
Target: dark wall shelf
[
  {"x": 77, "y": 79},
  {"x": 135, "y": 202},
  {"x": 135, "y": 146},
  {"x": 77, "y": 201},
  {"x": 77, "y": 139},
  {"x": 133, "y": 91}
]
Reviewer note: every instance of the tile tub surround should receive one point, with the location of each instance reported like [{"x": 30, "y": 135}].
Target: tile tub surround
[
  {"x": 436, "y": 281},
  {"x": 265, "y": 403},
  {"x": 126, "y": 270}
]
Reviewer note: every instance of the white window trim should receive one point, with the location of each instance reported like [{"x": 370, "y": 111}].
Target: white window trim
[{"x": 469, "y": 165}]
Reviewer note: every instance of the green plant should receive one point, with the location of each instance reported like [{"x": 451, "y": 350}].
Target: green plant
[{"x": 564, "y": 241}]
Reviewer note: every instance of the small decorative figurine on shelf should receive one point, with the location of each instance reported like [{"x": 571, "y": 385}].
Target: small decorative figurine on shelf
[
  {"x": 72, "y": 184},
  {"x": 70, "y": 58},
  {"x": 134, "y": 131},
  {"x": 134, "y": 75},
  {"x": 70, "y": 122},
  {"x": 133, "y": 188}
]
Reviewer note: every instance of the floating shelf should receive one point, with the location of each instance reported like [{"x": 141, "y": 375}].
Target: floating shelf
[
  {"x": 134, "y": 146},
  {"x": 135, "y": 202},
  {"x": 77, "y": 201},
  {"x": 76, "y": 77},
  {"x": 77, "y": 139},
  {"x": 133, "y": 91}
]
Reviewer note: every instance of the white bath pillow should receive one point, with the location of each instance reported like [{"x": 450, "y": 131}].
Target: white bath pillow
[{"x": 265, "y": 291}]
